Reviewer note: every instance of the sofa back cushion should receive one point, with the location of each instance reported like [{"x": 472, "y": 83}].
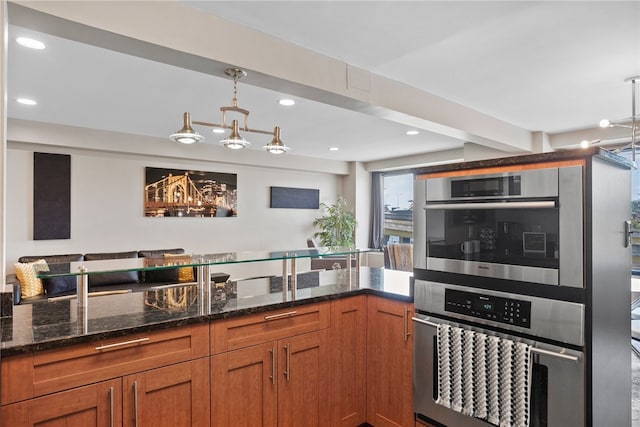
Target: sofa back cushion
[
  {"x": 156, "y": 257},
  {"x": 54, "y": 286},
  {"x": 117, "y": 278}
]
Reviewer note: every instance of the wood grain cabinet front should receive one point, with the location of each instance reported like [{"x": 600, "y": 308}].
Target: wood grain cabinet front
[
  {"x": 37, "y": 374},
  {"x": 281, "y": 383},
  {"x": 239, "y": 332},
  {"x": 348, "y": 355},
  {"x": 389, "y": 363},
  {"x": 95, "y": 405},
  {"x": 171, "y": 396}
]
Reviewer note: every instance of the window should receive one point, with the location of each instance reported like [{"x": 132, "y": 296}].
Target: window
[
  {"x": 635, "y": 213},
  {"x": 398, "y": 208}
]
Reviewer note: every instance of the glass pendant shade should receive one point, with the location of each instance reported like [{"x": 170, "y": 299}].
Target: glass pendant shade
[
  {"x": 186, "y": 135},
  {"x": 235, "y": 141},
  {"x": 276, "y": 146}
]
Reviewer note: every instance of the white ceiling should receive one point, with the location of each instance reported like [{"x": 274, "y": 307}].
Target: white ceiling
[{"x": 542, "y": 66}]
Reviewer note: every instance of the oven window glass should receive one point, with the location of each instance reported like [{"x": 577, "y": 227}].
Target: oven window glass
[{"x": 527, "y": 237}]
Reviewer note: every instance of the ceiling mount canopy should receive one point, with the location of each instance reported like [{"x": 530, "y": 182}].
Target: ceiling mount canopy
[{"x": 187, "y": 135}]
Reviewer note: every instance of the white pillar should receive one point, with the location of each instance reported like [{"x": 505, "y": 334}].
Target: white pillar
[{"x": 356, "y": 189}]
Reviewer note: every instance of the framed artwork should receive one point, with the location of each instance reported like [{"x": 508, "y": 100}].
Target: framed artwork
[
  {"x": 51, "y": 196},
  {"x": 189, "y": 193},
  {"x": 295, "y": 198}
]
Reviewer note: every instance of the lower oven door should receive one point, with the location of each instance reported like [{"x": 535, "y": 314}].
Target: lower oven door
[{"x": 557, "y": 380}]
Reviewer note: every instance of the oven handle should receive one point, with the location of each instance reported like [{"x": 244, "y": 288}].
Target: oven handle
[
  {"x": 542, "y": 204},
  {"x": 533, "y": 349}
]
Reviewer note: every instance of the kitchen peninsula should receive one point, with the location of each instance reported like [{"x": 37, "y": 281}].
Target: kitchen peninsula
[{"x": 339, "y": 353}]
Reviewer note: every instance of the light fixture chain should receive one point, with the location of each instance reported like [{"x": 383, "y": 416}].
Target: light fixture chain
[{"x": 235, "y": 90}]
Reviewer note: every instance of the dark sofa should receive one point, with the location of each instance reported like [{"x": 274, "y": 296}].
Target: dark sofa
[{"x": 121, "y": 280}]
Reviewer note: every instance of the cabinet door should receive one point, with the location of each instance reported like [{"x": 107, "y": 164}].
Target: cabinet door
[
  {"x": 390, "y": 363},
  {"x": 348, "y": 337},
  {"x": 98, "y": 405},
  {"x": 172, "y": 396},
  {"x": 303, "y": 383},
  {"x": 244, "y": 387}
]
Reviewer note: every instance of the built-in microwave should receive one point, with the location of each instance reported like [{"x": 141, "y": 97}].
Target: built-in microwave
[{"x": 520, "y": 225}]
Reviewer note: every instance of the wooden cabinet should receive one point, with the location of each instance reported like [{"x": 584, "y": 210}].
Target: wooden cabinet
[
  {"x": 304, "y": 384},
  {"x": 389, "y": 363},
  {"x": 242, "y": 332},
  {"x": 281, "y": 382},
  {"x": 171, "y": 396},
  {"x": 175, "y": 395},
  {"x": 244, "y": 387},
  {"x": 96, "y": 405},
  {"x": 160, "y": 377},
  {"x": 340, "y": 363},
  {"x": 32, "y": 375},
  {"x": 348, "y": 354}
]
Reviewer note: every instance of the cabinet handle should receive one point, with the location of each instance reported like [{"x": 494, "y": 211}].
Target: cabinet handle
[
  {"x": 111, "y": 401},
  {"x": 287, "y": 372},
  {"x": 278, "y": 316},
  {"x": 272, "y": 377},
  {"x": 406, "y": 324},
  {"x": 135, "y": 403},
  {"x": 120, "y": 344}
]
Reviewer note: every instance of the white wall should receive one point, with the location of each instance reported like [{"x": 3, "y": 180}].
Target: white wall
[{"x": 107, "y": 206}]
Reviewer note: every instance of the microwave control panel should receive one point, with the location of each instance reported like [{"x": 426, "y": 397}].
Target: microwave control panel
[{"x": 504, "y": 310}]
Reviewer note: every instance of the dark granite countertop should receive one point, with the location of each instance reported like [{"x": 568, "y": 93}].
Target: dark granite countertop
[
  {"x": 553, "y": 156},
  {"x": 51, "y": 324}
]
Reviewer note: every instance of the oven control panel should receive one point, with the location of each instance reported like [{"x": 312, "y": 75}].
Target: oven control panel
[{"x": 503, "y": 310}]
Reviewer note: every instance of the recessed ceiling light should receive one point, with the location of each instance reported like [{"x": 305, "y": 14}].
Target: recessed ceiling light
[
  {"x": 26, "y": 101},
  {"x": 333, "y": 148},
  {"x": 30, "y": 43},
  {"x": 287, "y": 102},
  {"x": 412, "y": 132},
  {"x": 218, "y": 130}
]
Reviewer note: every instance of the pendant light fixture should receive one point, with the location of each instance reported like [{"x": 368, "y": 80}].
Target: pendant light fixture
[
  {"x": 234, "y": 140},
  {"x": 276, "y": 146},
  {"x": 628, "y": 123}
]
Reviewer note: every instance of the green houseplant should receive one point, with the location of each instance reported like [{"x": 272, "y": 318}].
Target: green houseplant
[{"x": 337, "y": 226}]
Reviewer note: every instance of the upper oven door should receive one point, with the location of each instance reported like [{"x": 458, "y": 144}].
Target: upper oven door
[{"x": 521, "y": 226}]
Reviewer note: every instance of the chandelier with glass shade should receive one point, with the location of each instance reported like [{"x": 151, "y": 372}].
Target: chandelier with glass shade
[{"x": 235, "y": 141}]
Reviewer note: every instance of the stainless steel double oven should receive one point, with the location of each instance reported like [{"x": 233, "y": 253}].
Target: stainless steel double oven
[{"x": 501, "y": 253}]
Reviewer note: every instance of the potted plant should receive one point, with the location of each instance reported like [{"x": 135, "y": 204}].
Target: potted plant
[{"x": 337, "y": 226}]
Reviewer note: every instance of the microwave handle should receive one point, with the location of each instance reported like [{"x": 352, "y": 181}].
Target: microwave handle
[{"x": 544, "y": 204}]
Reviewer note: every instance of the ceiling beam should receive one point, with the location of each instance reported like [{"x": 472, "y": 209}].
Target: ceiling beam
[{"x": 178, "y": 35}]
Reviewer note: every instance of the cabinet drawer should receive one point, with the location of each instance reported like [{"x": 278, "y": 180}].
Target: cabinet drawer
[
  {"x": 40, "y": 373},
  {"x": 233, "y": 334}
]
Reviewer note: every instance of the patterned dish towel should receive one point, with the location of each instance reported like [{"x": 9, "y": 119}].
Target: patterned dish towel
[{"x": 484, "y": 376}]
